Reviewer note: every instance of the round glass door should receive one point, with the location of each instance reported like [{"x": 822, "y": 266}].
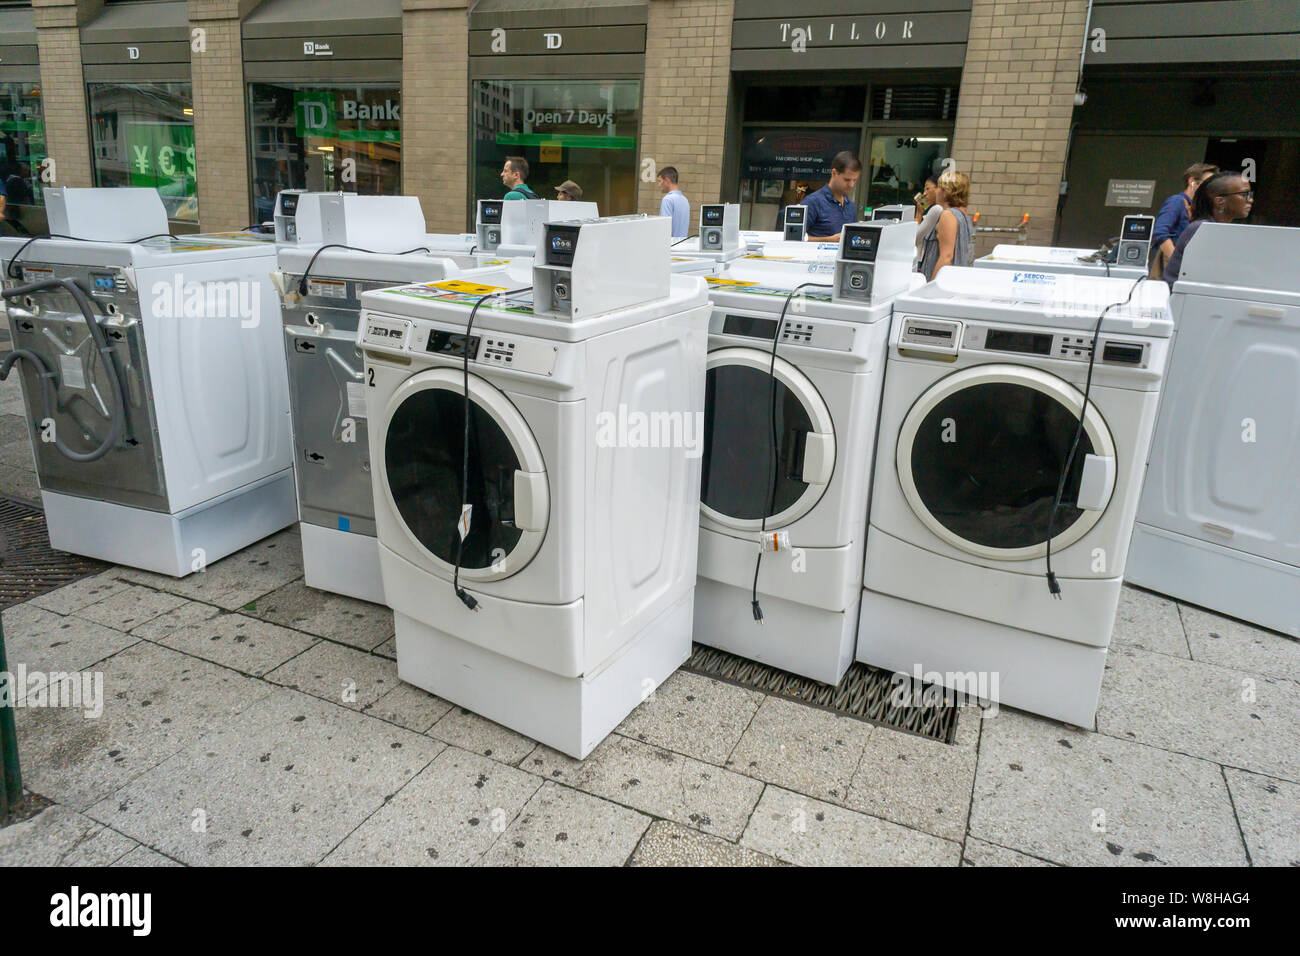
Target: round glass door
[
  {"x": 980, "y": 457},
  {"x": 423, "y": 458},
  {"x": 736, "y": 488}
]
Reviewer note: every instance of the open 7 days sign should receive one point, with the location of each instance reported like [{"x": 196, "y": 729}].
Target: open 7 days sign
[{"x": 321, "y": 113}]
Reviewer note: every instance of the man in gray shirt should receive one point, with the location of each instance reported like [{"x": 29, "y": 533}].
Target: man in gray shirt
[{"x": 675, "y": 205}]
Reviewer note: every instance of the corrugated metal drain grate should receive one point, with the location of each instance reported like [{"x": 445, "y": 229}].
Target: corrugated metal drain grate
[
  {"x": 28, "y": 565},
  {"x": 864, "y": 693}
]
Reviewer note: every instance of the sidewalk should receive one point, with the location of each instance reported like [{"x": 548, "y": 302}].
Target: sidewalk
[{"x": 248, "y": 719}]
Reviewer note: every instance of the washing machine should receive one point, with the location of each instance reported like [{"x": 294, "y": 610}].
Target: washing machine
[
  {"x": 514, "y": 228},
  {"x": 320, "y": 309},
  {"x": 984, "y": 389},
  {"x": 578, "y": 531},
  {"x": 813, "y": 492},
  {"x": 154, "y": 383},
  {"x": 1056, "y": 260},
  {"x": 1218, "y": 525}
]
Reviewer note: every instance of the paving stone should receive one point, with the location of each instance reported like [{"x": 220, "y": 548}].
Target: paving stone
[
  {"x": 244, "y": 643},
  {"x": 130, "y": 607},
  {"x": 79, "y": 594},
  {"x": 282, "y": 782},
  {"x": 13, "y": 429},
  {"x": 694, "y": 715},
  {"x": 143, "y": 856},
  {"x": 656, "y": 781},
  {"x": 342, "y": 675},
  {"x": 1082, "y": 798},
  {"x": 185, "y": 614},
  {"x": 387, "y": 649},
  {"x": 1222, "y": 640},
  {"x": 799, "y": 829},
  {"x": 449, "y": 815},
  {"x": 802, "y": 748},
  {"x": 671, "y": 844},
  {"x": 409, "y": 707},
  {"x": 236, "y": 580},
  {"x": 17, "y": 455},
  {"x": 563, "y": 827},
  {"x": 342, "y": 619},
  {"x": 156, "y": 701},
  {"x": 1197, "y": 708},
  {"x": 468, "y": 731},
  {"x": 980, "y": 853},
  {"x": 1150, "y": 622},
  {"x": 46, "y": 641},
  {"x": 1269, "y": 812},
  {"x": 919, "y": 782},
  {"x": 21, "y": 484},
  {"x": 60, "y": 836}
]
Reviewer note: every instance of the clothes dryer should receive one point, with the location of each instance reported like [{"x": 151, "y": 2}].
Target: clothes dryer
[{"x": 984, "y": 390}]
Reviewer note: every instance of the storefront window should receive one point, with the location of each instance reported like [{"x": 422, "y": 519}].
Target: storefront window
[
  {"x": 324, "y": 137},
  {"x": 142, "y": 134},
  {"x": 583, "y": 130},
  {"x": 780, "y": 166},
  {"x": 898, "y": 164},
  {"x": 22, "y": 147}
]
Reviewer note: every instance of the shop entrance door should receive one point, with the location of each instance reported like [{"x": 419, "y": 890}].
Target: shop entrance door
[{"x": 895, "y": 167}]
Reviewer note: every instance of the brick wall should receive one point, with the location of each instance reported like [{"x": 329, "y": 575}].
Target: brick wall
[
  {"x": 220, "y": 114},
  {"x": 63, "y": 87},
  {"x": 684, "y": 103},
  {"x": 435, "y": 108},
  {"x": 1017, "y": 100}
]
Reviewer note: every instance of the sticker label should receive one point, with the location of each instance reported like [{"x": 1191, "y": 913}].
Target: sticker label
[
  {"x": 387, "y": 332},
  {"x": 72, "y": 371},
  {"x": 463, "y": 524},
  {"x": 714, "y": 280},
  {"x": 466, "y": 288},
  {"x": 330, "y": 288},
  {"x": 356, "y": 400}
]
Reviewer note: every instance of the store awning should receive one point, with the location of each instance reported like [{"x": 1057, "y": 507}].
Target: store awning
[
  {"x": 311, "y": 18},
  {"x": 19, "y": 61},
  {"x": 320, "y": 41},
  {"x": 140, "y": 22},
  {"x": 141, "y": 41}
]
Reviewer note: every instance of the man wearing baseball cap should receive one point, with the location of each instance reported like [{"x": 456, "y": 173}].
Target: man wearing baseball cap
[{"x": 568, "y": 190}]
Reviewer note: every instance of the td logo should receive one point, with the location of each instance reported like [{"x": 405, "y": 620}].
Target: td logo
[{"x": 314, "y": 113}]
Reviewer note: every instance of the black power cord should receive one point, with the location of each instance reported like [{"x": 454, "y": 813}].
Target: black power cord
[
  {"x": 9, "y": 269},
  {"x": 465, "y": 597},
  {"x": 681, "y": 240},
  {"x": 776, "y": 449},
  {"x": 302, "y": 283},
  {"x": 1053, "y": 585}
]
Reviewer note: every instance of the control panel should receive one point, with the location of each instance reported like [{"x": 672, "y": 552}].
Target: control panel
[
  {"x": 932, "y": 338},
  {"x": 1063, "y": 346},
  {"x": 794, "y": 220},
  {"x": 488, "y": 224},
  {"x": 486, "y": 348},
  {"x": 1135, "y": 240},
  {"x": 821, "y": 334}
]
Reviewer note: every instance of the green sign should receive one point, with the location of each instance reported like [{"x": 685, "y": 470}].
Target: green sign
[
  {"x": 162, "y": 157},
  {"x": 314, "y": 114},
  {"x": 571, "y": 140}
]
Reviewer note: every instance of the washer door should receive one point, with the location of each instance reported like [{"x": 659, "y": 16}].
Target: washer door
[
  {"x": 736, "y": 488},
  {"x": 423, "y": 454},
  {"x": 980, "y": 456}
]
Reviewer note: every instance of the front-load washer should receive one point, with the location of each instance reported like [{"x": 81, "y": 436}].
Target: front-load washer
[
  {"x": 828, "y": 369},
  {"x": 154, "y": 383},
  {"x": 1218, "y": 524},
  {"x": 587, "y": 399},
  {"x": 321, "y": 289},
  {"x": 984, "y": 390}
]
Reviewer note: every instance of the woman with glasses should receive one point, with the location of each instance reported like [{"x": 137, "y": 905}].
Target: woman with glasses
[{"x": 1224, "y": 197}]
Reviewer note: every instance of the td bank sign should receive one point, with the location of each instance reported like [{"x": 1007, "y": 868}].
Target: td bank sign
[{"x": 321, "y": 113}]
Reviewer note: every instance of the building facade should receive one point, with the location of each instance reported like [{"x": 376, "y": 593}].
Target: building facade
[{"x": 1071, "y": 112}]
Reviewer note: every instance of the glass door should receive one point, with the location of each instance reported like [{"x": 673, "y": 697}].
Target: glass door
[{"x": 896, "y": 164}]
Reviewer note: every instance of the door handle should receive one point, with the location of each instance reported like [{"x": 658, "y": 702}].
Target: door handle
[
  {"x": 818, "y": 458},
  {"x": 1097, "y": 483},
  {"x": 532, "y": 505}
]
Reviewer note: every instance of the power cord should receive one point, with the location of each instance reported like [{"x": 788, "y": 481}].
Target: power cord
[
  {"x": 1053, "y": 586},
  {"x": 683, "y": 239},
  {"x": 776, "y": 451},
  {"x": 465, "y": 597},
  {"x": 302, "y": 283}
]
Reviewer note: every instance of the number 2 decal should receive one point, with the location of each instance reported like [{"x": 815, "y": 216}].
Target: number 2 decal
[{"x": 370, "y": 372}]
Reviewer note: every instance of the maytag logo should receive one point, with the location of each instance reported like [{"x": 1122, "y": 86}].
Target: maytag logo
[{"x": 74, "y": 909}]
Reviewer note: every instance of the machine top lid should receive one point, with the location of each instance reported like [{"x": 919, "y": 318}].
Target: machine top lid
[
  {"x": 1039, "y": 298},
  {"x": 150, "y": 253},
  {"x": 1238, "y": 256},
  {"x": 105, "y": 214},
  {"x": 1009, "y": 252}
]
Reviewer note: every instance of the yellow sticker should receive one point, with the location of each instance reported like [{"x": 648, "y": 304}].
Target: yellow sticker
[
  {"x": 711, "y": 280},
  {"x": 466, "y": 288}
]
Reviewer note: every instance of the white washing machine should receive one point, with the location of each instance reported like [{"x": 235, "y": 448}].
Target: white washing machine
[
  {"x": 1056, "y": 260},
  {"x": 514, "y": 228},
  {"x": 321, "y": 291},
  {"x": 1218, "y": 525},
  {"x": 583, "y": 470},
  {"x": 983, "y": 391},
  {"x": 161, "y": 434},
  {"x": 829, "y": 366}
]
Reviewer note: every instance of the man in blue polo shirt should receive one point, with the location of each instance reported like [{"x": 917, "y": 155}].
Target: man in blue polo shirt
[{"x": 830, "y": 207}]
